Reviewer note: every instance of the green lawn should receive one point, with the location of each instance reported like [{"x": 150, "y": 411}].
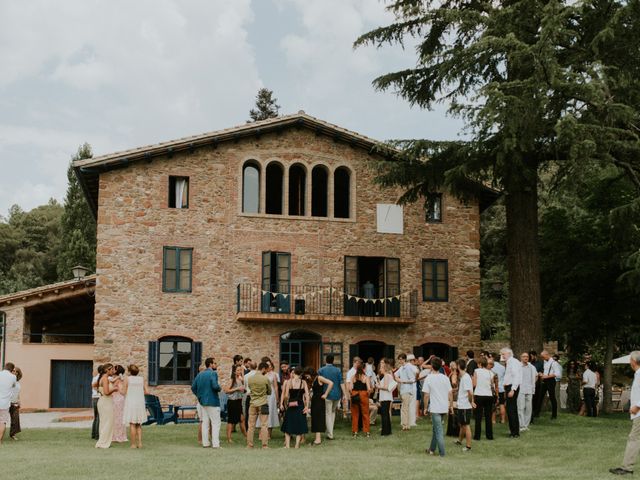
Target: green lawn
[{"x": 571, "y": 447}]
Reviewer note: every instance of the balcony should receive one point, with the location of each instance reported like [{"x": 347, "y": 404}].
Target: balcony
[{"x": 323, "y": 304}]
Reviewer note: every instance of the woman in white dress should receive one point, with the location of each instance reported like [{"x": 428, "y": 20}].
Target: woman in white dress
[{"x": 135, "y": 411}]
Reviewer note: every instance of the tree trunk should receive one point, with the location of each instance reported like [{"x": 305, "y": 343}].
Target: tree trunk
[
  {"x": 607, "y": 381},
  {"x": 525, "y": 309}
]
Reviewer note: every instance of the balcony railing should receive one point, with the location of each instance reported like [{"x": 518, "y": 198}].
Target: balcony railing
[{"x": 323, "y": 300}]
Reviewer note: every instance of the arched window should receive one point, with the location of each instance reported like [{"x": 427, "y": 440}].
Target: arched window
[
  {"x": 297, "y": 189},
  {"x": 275, "y": 180},
  {"x": 251, "y": 187},
  {"x": 173, "y": 361},
  {"x": 341, "y": 192},
  {"x": 319, "y": 186}
]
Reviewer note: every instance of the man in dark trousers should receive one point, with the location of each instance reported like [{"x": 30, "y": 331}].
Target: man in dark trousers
[
  {"x": 512, "y": 382},
  {"x": 551, "y": 372}
]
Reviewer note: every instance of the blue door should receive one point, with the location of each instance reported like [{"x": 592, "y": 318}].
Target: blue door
[{"x": 71, "y": 383}]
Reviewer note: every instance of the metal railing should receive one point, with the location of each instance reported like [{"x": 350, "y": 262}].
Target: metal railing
[{"x": 322, "y": 300}]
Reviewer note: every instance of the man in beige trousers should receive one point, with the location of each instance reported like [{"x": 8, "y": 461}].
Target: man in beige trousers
[{"x": 633, "y": 443}]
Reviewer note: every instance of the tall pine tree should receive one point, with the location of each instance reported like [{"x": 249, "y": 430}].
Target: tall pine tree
[
  {"x": 78, "y": 225},
  {"x": 536, "y": 85},
  {"x": 266, "y": 106}
]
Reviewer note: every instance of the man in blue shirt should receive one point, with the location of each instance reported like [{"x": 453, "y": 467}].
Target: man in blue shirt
[
  {"x": 206, "y": 387},
  {"x": 333, "y": 373}
]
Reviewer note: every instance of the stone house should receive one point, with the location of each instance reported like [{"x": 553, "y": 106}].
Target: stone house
[{"x": 272, "y": 238}]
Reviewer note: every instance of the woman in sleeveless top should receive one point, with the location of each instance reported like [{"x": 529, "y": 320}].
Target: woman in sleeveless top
[
  {"x": 135, "y": 411},
  {"x": 385, "y": 387},
  {"x": 318, "y": 396},
  {"x": 453, "y": 429},
  {"x": 359, "y": 389},
  {"x": 483, "y": 396},
  {"x": 235, "y": 394},
  {"x": 295, "y": 402},
  {"x": 105, "y": 407},
  {"x": 119, "y": 429}
]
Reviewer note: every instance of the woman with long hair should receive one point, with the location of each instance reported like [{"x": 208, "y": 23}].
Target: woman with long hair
[
  {"x": 483, "y": 394},
  {"x": 318, "y": 397},
  {"x": 117, "y": 382},
  {"x": 295, "y": 403},
  {"x": 135, "y": 412},
  {"x": 386, "y": 385},
  {"x": 105, "y": 407},
  {"x": 453, "y": 429},
  {"x": 359, "y": 388},
  {"x": 235, "y": 394}
]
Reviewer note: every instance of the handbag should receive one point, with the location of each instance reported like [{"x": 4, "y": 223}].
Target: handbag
[{"x": 355, "y": 399}]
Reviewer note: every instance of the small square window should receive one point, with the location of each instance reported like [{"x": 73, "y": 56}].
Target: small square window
[
  {"x": 433, "y": 206},
  {"x": 178, "y": 192}
]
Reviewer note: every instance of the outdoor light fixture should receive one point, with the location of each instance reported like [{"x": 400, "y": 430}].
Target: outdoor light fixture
[{"x": 79, "y": 272}]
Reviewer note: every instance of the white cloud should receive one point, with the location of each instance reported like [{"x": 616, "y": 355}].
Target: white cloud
[{"x": 115, "y": 74}]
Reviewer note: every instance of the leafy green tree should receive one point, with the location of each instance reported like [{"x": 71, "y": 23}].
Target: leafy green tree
[
  {"x": 78, "y": 225},
  {"x": 583, "y": 251},
  {"x": 30, "y": 243},
  {"x": 266, "y": 106},
  {"x": 537, "y": 87}
]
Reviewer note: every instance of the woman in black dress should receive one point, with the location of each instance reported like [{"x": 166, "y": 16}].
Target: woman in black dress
[
  {"x": 295, "y": 403},
  {"x": 235, "y": 393},
  {"x": 320, "y": 388}
]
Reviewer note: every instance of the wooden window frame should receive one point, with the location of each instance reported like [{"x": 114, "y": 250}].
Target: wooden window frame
[
  {"x": 429, "y": 208},
  {"x": 178, "y": 288},
  {"x": 172, "y": 179},
  {"x": 433, "y": 263}
]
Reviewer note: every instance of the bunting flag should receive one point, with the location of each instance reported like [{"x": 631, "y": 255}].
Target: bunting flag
[{"x": 332, "y": 290}]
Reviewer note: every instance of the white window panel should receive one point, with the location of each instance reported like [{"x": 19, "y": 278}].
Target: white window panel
[{"x": 390, "y": 218}]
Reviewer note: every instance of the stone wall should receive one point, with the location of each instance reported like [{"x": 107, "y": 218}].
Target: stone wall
[{"x": 134, "y": 224}]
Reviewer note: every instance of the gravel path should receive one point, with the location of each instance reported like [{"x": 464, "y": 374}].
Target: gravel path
[{"x": 51, "y": 420}]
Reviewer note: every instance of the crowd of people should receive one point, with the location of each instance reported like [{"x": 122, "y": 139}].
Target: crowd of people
[
  {"x": 494, "y": 388},
  {"x": 119, "y": 404}
]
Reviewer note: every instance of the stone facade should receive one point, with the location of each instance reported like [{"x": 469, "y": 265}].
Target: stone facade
[{"x": 134, "y": 223}]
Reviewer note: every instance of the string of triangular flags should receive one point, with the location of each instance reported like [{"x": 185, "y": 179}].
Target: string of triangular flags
[{"x": 327, "y": 290}]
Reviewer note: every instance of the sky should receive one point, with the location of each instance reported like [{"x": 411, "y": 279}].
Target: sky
[{"x": 120, "y": 74}]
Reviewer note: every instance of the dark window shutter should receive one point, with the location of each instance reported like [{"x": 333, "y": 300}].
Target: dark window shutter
[
  {"x": 353, "y": 352},
  {"x": 152, "y": 372},
  {"x": 389, "y": 351},
  {"x": 196, "y": 358}
]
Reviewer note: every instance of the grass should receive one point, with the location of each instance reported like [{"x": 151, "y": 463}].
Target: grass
[{"x": 571, "y": 447}]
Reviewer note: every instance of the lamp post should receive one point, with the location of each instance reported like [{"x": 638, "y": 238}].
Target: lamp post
[
  {"x": 79, "y": 272},
  {"x": 3, "y": 329}
]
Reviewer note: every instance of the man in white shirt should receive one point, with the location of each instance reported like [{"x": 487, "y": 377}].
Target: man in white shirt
[
  {"x": 406, "y": 377},
  {"x": 633, "y": 443},
  {"x": 95, "y": 396},
  {"x": 512, "y": 382},
  {"x": 465, "y": 405},
  {"x": 551, "y": 374},
  {"x": 589, "y": 381},
  {"x": 439, "y": 398},
  {"x": 7, "y": 384},
  {"x": 527, "y": 390}
]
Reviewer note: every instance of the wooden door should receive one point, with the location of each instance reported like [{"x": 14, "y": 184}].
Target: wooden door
[{"x": 71, "y": 383}]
